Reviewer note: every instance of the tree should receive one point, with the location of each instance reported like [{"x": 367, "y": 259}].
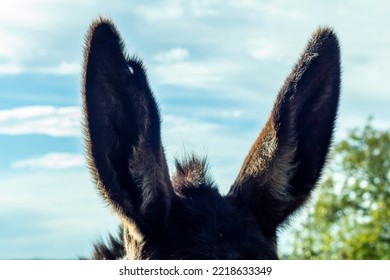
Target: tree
[{"x": 351, "y": 218}]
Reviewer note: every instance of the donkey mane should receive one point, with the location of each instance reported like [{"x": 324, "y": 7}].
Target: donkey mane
[{"x": 185, "y": 217}]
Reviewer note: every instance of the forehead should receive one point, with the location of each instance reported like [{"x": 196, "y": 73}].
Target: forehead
[
  {"x": 211, "y": 226},
  {"x": 204, "y": 208}
]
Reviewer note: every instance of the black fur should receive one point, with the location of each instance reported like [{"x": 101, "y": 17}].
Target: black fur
[{"x": 186, "y": 217}]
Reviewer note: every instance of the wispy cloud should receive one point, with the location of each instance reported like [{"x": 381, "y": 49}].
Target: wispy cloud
[
  {"x": 177, "y": 125},
  {"x": 269, "y": 49},
  {"x": 63, "y": 68},
  {"x": 31, "y": 32},
  {"x": 172, "y": 10},
  {"x": 49, "y": 120},
  {"x": 174, "y": 54},
  {"x": 176, "y": 9},
  {"x": 190, "y": 74},
  {"x": 10, "y": 68},
  {"x": 51, "y": 161},
  {"x": 177, "y": 67}
]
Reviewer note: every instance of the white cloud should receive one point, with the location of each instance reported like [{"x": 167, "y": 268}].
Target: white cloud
[
  {"x": 51, "y": 161},
  {"x": 53, "y": 121},
  {"x": 23, "y": 12},
  {"x": 234, "y": 114},
  {"x": 180, "y": 125},
  {"x": 32, "y": 35},
  {"x": 174, "y": 54},
  {"x": 272, "y": 10},
  {"x": 10, "y": 68},
  {"x": 22, "y": 23},
  {"x": 63, "y": 68},
  {"x": 175, "y": 67},
  {"x": 269, "y": 49},
  {"x": 203, "y": 8},
  {"x": 177, "y": 9},
  {"x": 200, "y": 74},
  {"x": 168, "y": 11}
]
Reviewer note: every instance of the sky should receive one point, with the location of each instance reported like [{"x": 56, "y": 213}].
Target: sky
[{"x": 215, "y": 68}]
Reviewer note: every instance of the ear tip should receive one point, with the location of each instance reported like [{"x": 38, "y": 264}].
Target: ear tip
[
  {"x": 102, "y": 27},
  {"x": 102, "y": 20},
  {"x": 102, "y": 38},
  {"x": 325, "y": 32},
  {"x": 324, "y": 42}
]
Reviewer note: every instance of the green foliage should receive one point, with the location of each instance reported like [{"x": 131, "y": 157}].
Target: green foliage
[{"x": 351, "y": 217}]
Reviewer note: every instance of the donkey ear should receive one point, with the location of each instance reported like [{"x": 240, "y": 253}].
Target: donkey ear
[
  {"x": 286, "y": 160},
  {"x": 122, "y": 132}
]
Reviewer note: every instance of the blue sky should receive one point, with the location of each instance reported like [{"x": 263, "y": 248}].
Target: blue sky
[{"x": 215, "y": 68}]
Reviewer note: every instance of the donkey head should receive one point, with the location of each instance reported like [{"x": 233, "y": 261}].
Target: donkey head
[{"x": 185, "y": 217}]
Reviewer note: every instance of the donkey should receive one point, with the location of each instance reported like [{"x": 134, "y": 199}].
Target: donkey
[{"x": 185, "y": 217}]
